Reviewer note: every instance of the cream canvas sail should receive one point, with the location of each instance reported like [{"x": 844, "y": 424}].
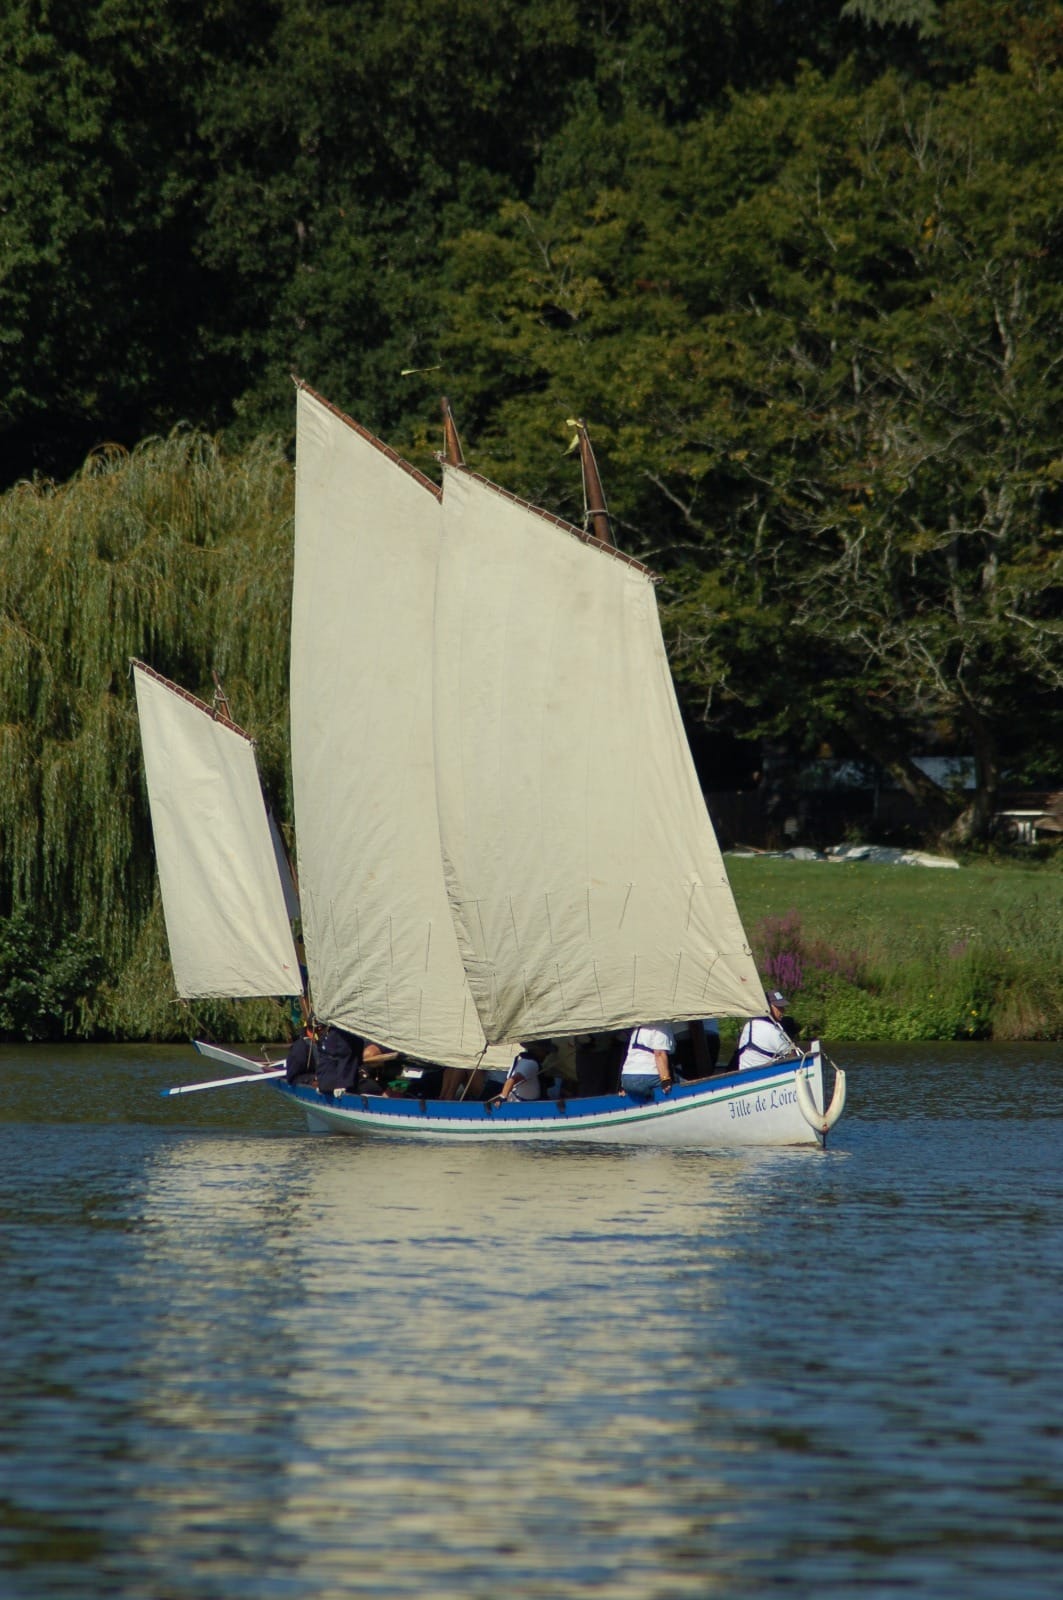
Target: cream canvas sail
[
  {"x": 380, "y": 943},
  {"x": 223, "y": 899},
  {"x": 584, "y": 875}
]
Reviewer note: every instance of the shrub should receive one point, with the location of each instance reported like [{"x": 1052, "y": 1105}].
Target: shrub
[
  {"x": 45, "y": 979},
  {"x": 889, "y": 993}
]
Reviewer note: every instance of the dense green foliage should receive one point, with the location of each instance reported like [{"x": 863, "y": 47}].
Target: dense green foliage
[
  {"x": 194, "y": 197},
  {"x": 799, "y": 267},
  {"x": 43, "y": 981}
]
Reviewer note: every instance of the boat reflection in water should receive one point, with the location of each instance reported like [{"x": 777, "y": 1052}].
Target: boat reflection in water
[{"x": 439, "y": 1359}]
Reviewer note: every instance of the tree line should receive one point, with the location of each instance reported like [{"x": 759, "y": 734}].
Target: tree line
[{"x": 797, "y": 266}]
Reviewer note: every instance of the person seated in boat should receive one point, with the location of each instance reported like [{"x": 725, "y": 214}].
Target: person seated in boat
[
  {"x": 339, "y": 1060},
  {"x": 522, "y": 1080},
  {"x": 598, "y": 1058},
  {"x": 765, "y": 1039},
  {"x": 558, "y": 1076},
  {"x": 372, "y": 1077},
  {"x": 299, "y": 1064},
  {"x": 697, "y": 1048},
  {"x": 648, "y": 1063}
]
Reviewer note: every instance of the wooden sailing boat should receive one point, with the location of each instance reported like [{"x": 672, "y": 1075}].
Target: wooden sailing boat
[
  {"x": 500, "y": 832},
  {"x": 501, "y": 835}
]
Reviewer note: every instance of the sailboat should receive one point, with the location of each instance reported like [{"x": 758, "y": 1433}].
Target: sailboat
[{"x": 500, "y": 833}]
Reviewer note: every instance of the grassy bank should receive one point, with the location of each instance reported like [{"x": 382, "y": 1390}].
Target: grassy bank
[
  {"x": 869, "y": 952},
  {"x": 863, "y": 952}
]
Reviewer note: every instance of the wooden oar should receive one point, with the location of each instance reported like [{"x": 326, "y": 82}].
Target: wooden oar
[{"x": 223, "y": 1083}]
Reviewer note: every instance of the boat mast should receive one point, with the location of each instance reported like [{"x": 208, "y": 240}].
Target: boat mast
[
  {"x": 452, "y": 453},
  {"x": 220, "y": 704},
  {"x": 596, "y": 512}
]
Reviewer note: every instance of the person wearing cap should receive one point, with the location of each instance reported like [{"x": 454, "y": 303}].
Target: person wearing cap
[{"x": 764, "y": 1039}]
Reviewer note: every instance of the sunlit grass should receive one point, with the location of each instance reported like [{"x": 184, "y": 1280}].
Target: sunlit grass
[{"x": 873, "y": 951}]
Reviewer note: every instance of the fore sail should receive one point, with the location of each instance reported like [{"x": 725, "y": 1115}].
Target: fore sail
[
  {"x": 380, "y": 943},
  {"x": 223, "y": 894},
  {"x": 583, "y": 872}
]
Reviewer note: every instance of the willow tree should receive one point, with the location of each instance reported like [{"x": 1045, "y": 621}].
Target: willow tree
[{"x": 172, "y": 553}]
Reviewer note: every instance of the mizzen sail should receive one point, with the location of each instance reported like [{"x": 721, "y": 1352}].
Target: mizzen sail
[
  {"x": 223, "y": 899},
  {"x": 584, "y": 876}
]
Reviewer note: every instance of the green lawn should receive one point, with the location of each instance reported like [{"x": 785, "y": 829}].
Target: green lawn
[{"x": 888, "y": 952}]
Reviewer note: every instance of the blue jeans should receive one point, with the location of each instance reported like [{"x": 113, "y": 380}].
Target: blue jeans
[{"x": 640, "y": 1084}]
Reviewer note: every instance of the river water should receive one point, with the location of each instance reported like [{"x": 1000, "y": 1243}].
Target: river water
[{"x": 238, "y": 1362}]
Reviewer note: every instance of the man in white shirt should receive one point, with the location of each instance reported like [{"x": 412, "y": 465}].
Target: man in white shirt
[
  {"x": 522, "y": 1080},
  {"x": 648, "y": 1064},
  {"x": 763, "y": 1039}
]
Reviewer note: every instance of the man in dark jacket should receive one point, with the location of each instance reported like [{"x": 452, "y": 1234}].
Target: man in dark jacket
[{"x": 339, "y": 1060}]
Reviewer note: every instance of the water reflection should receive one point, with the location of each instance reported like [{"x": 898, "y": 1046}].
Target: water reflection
[
  {"x": 238, "y": 1361},
  {"x": 457, "y": 1353}
]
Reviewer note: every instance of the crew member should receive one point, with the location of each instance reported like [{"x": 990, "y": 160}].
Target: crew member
[
  {"x": 522, "y": 1080},
  {"x": 765, "y": 1039},
  {"x": 648, "y": 1063}
]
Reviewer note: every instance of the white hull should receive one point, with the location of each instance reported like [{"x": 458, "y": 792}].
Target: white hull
[{"x": 740, "y": 1109}]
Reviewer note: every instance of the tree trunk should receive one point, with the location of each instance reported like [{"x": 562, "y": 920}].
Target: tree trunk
[
  {"x": 879, "y": 744},
  {"x": 976, "y": 819}
]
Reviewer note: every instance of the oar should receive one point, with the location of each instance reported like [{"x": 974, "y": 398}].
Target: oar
[{"x": 223, "y": 1083}]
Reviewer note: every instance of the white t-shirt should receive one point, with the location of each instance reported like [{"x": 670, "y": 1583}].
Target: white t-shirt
[
  {"x": 760, "y": 1041},
  {"x": 641, "y": 1046},
  {"x": 526, "y": 1071}
]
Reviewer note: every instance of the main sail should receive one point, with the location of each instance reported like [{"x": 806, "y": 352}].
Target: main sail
[
  {"x": 223, "y": 895},
  {"x": 380, "y": 942},
  {"x": 587, "y": 886}
]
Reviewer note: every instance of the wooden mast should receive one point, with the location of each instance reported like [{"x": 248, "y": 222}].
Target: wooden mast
[
  {"x": 597, "y": 512},
  {"x": 452, "y": 453},
  {"x": 221, "y": 699}
]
